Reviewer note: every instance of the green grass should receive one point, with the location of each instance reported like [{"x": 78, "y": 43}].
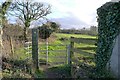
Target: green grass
[
  {"x": 60, "y": 35},
  {"x": 67, "y": 36},
  {"x": 20, "y": 54}
]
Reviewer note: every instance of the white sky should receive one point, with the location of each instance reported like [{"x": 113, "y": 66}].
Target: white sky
[
  {"x": 84, "y": 10},
  {"x": 80, "y": 10}
]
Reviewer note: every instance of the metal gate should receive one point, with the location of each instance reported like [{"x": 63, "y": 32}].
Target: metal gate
[{"x": 53, "y": 54}]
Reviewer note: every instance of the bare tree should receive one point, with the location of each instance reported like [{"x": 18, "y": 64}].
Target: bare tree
[
  {"x": 3, "y": 10},
  {"x": 28, "y": 11},
  {"x": 5, "y": 7}
]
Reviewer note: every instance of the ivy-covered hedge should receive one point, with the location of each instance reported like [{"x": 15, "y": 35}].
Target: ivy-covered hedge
[{"x": 108, "y": 30}]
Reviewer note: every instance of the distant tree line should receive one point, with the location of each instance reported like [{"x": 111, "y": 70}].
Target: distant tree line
[{"x": 93, "y": 30}]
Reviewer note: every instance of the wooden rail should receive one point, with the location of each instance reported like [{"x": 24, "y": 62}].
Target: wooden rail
[
  {"x": 80, "y": 50},
  {"x": 83, "y": 40},
  {"x": 58, "y": 51},
  {"x": 53, "y": 56}
]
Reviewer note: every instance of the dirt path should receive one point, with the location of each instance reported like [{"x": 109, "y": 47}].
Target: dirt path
[
  {"x": 54, "y": 72},
  {"x": 51, "y": 74},
  {"x": 64, "y": 72}
]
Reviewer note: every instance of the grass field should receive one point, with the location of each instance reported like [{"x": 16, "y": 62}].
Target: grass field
[
  {"x": 20, "y": 57},
  {"x": 56, "y": 45},
  {"x": 60, "y": 35}
]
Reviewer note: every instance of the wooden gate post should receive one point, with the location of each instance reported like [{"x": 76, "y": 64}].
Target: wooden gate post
[
  {"x": 71, "y": 53},
  {"x": 68, "y": 54},
  {"x": 35, "y": 48},
  {"x": 47, "y": 51},
  {"x": 71, "y": 49}
]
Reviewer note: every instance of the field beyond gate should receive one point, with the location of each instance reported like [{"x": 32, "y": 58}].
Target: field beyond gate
[
  {"x": 57, "y": 54},
  {"x": 50, "y": 55}
]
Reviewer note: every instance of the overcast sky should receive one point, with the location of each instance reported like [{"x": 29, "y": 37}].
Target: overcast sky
[{"x": 74, "y": 13}]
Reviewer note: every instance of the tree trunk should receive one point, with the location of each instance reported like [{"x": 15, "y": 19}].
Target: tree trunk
[
  {"x": 25, "y": 33},
  {"x": 11, "y": 46},
  {"x": 1, "y": 33},
  {"x": 4, "y": 8}
]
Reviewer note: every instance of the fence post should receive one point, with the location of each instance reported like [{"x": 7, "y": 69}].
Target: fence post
[
  {"x": 71, "y": 53},
  {"x": 71, "y": 50},
  {"x": 47, "y": 51},
  {"x": 68, "y": 53},
  {"x": 35, "y": 48}
]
